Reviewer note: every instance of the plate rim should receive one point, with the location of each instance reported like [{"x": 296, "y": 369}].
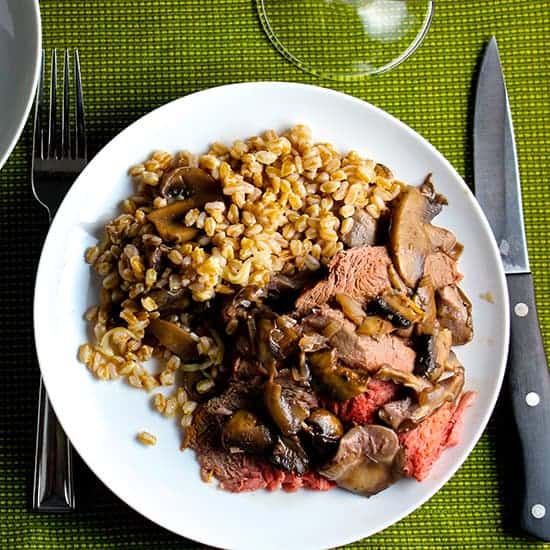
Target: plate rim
[
  {"x": 31, "y": 93},
  {"x": 201, "y": 535}
]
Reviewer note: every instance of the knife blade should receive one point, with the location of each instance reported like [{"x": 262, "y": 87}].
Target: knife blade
[{"x": 497, "y": 186}]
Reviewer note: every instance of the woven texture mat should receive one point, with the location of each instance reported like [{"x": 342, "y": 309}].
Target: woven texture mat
[{"x": 139, "y": 54}]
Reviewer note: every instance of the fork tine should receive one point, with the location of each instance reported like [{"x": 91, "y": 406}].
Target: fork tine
[
  {"x": 53, "y": 106},
  {"x": 80, "y": 127},
  {"x": 65, "y": 116},
  {"x": 38, "y": 143}
]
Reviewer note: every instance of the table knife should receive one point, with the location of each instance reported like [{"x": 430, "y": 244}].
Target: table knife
[{"x": 497, "y": 186}]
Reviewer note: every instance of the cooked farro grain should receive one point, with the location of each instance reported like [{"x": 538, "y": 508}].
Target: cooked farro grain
[{"x": 147, "y": 438}]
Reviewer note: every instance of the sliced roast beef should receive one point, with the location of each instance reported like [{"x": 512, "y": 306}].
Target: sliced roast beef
[
  {"x": 455, "y": 313},
  {"x": 361, "y": 273},
  {"x": 442, "y": 269},
  {"x": 362, "y": 409},
  {"x": 363, "y": 231},
  {"x": 424, "y": 444},
  {"x": 357, "y": 350},
  {"x": 239, "y": 395}
]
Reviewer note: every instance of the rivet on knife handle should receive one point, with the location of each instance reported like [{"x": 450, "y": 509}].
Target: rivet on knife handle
[{"x": 530, "y": 391}]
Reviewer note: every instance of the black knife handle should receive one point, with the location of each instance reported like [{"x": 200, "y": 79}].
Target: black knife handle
[{"x": 530, "y": 392}]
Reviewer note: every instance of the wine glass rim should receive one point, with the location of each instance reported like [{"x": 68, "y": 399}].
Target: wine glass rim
[{"x": 413, "y": 46}]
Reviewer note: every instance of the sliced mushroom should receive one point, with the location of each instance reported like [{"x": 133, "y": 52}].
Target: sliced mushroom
[
  {"x": 351, "y": 308},
  {"x": 396, "y": 281},
  {"x": 412, "y": 238},
  {"x": 398, "y": 308},
  {"x": 441, "y": 238},
  {"x": 397, "y": 414},
  {"x": 456, "y": 251},
  {"x": 283, "y": 284},
  {"x": 409, "y": 380},
  {"x": 454, "y": 311},
  {"x": 341, "y": 383},
  {"x": 243, "y": 431},
  {"x": 383, "y": 171},
  {"x": 168, "y": 221},
  {"x": 169, "y": 302},
  {"x": 375, "y": 326},
  {"x": 156, "y": 256},
  {"x": 240, "y": 305},
  {"x": 174, "y": 338},
  {"x": 408, "y": 413},
  {"x": 289, "y": 455},
  {"x": 321, "y": 433},
  {"x": 432, "y": 352},
  {"x": 425, "y": 299},
  {"x": 312, "y": 341},
  {"x": 409, "y": 244},
  {"x": 445, "y": 390},
  {"x": 368, "y": 460},
  {"x": 363, "y": 231},
  {"x": 287, "y": 414},
  {"x": 435, "y": 201},
  {"x": 187, "y": 180},
  {"x": 283, "y": 337}
]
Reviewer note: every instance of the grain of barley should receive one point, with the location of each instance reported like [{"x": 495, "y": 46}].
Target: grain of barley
[
  {"x": 181, "y": 396},
  {"x": 186, "y": 420},
  {"x": 149, "y": 178},
  {"x": 205, "y": 386},
  {"x": 167, "y": 377},
  {"x": 346, "y": 226},
  {"x": 159, "y": 402},
  {"x": 171, "y": 406},
  {"x": 189, "y": 407},
  {"x": 146, "y": 438}
]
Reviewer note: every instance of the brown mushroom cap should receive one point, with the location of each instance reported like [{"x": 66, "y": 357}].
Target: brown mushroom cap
[
  {"x": 174, "y": 338},
  {"x": 168, "y": 221},
  {"x": 341, "y": 383},
  {"x": 170, "y": 301},
  {"x": 195, "y": 183},
  {"x": 416, "y": 383},
  {"x": 187, "y": 180},
  {"x": 407, "y": 413},
  {"x": 287, "y": 416},
  {"x": 454, "y": 311},
  {"x": 409, "y": 243},
  {"x": 289, "y": 455},
  {"x": 412, "y": 237},
  {"x": 368, "y": 460},
  {"x": 245, "y": 432},
  {"x": 425, "y": 299}
]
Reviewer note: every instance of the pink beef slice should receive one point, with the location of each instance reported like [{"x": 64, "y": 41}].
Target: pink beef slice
[
  {"x": 424, "y": 444},
  {"x": 361, "y": 273},
  {"x": 442, "y": 269},
  {"x": 361, "y": 351},
  {"x": 363, "y": 408}
]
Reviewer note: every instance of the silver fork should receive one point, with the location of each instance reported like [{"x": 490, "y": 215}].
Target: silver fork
[{"x": 59, "y": 155}]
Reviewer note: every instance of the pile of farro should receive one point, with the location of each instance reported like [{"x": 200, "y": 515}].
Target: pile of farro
[{"x": 283, "y": 204}]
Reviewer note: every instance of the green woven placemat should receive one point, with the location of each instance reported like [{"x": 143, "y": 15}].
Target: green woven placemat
[{"x": 139, "y": 54}]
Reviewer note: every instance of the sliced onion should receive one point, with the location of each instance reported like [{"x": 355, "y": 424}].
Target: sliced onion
[{"x": 122, "y": 336}]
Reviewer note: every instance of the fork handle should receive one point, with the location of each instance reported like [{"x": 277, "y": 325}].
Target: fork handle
[{"x": 53, "y": 465}]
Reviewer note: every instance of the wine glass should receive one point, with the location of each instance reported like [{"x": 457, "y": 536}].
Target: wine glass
[{"x": 343, "y": 39}]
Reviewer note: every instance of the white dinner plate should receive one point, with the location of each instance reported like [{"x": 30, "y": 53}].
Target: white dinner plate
[
  {"x": 102, "y": 418},
  {"x": 20, "y": 39}
]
